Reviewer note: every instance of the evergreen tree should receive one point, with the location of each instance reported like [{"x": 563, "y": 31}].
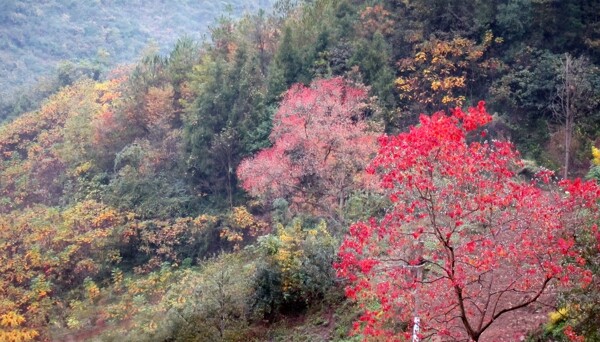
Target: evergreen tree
[{"x": 373, "y": 58}]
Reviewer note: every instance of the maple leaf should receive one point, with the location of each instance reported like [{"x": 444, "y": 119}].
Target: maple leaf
[{"x": 485, "y": 242}]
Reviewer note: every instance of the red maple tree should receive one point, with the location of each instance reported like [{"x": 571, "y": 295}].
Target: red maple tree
[
  {"x": 465, "y": 241},
  {"x": 321, "y": 145}
]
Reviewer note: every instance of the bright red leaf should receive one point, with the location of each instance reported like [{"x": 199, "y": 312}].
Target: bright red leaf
[{"x": 465, "y": 240}]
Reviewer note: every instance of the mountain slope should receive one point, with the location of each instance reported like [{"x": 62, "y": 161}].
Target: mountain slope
[{"x": 36, "y": 35}]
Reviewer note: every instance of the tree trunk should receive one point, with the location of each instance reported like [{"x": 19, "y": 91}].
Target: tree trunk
[{"x": 568, "y": 114}]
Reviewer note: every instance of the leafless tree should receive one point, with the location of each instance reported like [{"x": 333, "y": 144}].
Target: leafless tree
[{"x": 572, "y": 93}]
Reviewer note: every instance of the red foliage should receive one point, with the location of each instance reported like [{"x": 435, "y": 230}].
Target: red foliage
[
  {"x": 321, "y": 145},
  {"x": 572, "y": 336},
  {"x": 465, "y": 241}
]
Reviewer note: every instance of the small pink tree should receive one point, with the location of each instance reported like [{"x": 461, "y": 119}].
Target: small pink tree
[
  {"x": 465, "y": 241},
  {"x": 321, "y": 145}
]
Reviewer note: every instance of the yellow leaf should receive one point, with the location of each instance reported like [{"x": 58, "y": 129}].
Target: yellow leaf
[
  {"x": 596, "y": 155},
  {"x": 11, "y": 320}
]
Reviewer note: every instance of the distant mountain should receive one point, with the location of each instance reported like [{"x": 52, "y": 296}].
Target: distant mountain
[{"x": 36, "y": 35}]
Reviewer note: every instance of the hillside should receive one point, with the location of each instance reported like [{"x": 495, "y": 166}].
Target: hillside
[
  {"x": 323, "y": 172},
  {"x": 35, "y": 36}
]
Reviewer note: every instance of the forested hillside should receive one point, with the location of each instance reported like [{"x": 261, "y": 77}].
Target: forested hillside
[
  {"x": 329, "y": 171},
  {"x": 86, "y": 38}
]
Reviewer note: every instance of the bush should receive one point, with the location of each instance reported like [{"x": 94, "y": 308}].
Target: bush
[{"x": 294, "y": 268}]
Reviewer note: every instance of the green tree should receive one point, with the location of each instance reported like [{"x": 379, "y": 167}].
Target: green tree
[
  {"x": 287, "y": 67},
  {"x": 212, "y": 305},
  {"x": 227, "y": 121},
  {"x": 372, "y": 55}
]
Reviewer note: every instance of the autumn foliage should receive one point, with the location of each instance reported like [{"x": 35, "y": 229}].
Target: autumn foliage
[
  {"x": 466, "y": 241},
  {"x": 442, "y": 71},
  {"x": 321, "y": 144},
  {"x": 44, "y": 252},
  {"x": 200, "y": 195}
]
